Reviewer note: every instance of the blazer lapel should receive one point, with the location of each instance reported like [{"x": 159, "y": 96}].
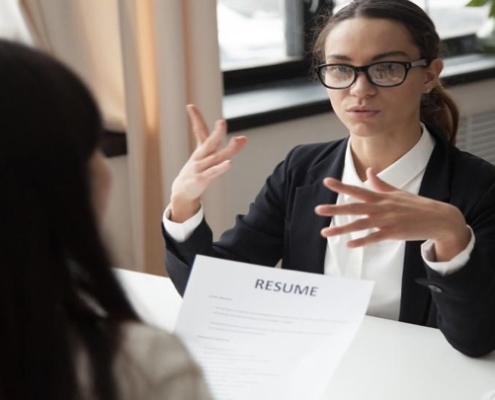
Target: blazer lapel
[
  {"x": 307, "y": 246},
  {"x": 415, "y": 298}
]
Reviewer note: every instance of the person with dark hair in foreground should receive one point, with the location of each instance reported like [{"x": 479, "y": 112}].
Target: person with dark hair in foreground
[
  {"x": 396, "y": 202},
  {"x": 68, "y": 329}
]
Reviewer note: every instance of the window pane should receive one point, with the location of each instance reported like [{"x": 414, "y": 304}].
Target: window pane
[
  {"x": 451, "y": 17},
  {"x": 12, "y": 25},
  {"x": 259, "y": 32}
]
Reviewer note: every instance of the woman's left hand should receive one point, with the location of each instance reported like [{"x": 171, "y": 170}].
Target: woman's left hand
[{"x": 396, "y": 214}]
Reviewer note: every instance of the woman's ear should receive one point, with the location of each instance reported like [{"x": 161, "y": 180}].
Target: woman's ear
[{"x": 432, "y": 74}]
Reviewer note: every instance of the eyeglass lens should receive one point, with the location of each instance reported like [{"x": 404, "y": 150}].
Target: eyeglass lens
[{"x": 382, "y": 74}]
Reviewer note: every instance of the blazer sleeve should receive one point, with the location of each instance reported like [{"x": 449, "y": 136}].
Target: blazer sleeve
[{"x": 465, "y": 300}]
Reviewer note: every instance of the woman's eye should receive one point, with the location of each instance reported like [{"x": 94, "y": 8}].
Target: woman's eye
[
  {"x": 340, "y": 69},
  {"x": 388, "y": 68}
]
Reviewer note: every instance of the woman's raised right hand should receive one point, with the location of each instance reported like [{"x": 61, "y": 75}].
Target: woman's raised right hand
[{"x": 208, "y": 161}]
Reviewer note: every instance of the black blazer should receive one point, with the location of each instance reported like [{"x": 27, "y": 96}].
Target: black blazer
[{"x": 281, "y": 224}]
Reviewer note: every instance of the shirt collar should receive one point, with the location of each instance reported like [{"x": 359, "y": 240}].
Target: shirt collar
[{"x": 402, "y": 171}]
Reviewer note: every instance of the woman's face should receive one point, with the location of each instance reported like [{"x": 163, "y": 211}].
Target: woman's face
[
  {"x": 366, "y": 109},
  {"x": 100, "y": 183}
]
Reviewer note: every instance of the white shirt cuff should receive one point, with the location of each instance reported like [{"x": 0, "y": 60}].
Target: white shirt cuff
[
  {"x": 446, "y": 267},
  {"x": 180, "y": 232}
]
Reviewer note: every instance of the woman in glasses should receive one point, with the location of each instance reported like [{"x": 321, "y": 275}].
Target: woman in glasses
[
  {"x": 395, "y": 202},
  {"x": 67, "y": 329}
]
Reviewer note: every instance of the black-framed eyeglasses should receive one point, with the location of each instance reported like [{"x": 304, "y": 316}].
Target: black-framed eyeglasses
[{"x": 383, "y": 74}]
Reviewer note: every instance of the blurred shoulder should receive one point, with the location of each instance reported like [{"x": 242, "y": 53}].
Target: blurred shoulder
[{"x": 152, "y": 363}]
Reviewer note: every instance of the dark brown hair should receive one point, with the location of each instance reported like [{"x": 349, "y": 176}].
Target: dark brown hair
[
  {"x": 52, "y": 256},
  {"x": 438, "y": 109}
]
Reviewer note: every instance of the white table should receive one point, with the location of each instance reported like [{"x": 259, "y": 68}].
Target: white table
[
  {"x": 387, "y": 360},
  {"x": 394, "y": 360},
  {"x": 154, "y": 297}
]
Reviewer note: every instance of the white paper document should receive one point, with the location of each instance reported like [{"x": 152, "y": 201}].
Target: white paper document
[{"x": 266, "y": 333}]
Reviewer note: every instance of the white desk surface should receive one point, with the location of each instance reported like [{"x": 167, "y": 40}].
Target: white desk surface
[{"x": 387, "y": 360}]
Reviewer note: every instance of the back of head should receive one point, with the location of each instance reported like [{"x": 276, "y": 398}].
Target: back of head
[
  {"x": 50, "y": 246},
  {"x": 438, "y": 109}
]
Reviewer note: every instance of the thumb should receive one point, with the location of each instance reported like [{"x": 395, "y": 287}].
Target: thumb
[{"x": 377, "y": 183}]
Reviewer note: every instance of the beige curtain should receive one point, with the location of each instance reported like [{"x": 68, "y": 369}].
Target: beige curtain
[
  {"x": 189, "y": 65},
  {"x": 145, "y": 60},
  {"x": 85, "y": 35}
]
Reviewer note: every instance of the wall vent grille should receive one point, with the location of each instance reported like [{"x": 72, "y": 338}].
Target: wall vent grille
[{"x": 476, "y": 135}]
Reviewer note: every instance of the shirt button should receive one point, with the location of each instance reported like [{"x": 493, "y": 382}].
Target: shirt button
[{"x": 435, "y": 288}]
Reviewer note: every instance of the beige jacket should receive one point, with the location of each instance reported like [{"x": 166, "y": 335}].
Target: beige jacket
[{"x": 151, "y": 365}]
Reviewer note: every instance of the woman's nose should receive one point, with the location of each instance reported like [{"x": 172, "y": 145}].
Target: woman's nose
[{"x": 362, "y": 87}]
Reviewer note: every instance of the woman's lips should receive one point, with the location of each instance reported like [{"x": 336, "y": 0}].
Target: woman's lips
[{"x": 362, "y": 113}]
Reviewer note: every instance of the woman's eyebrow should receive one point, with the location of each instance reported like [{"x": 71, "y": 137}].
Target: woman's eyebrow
[{"x": 395, "y": 53}]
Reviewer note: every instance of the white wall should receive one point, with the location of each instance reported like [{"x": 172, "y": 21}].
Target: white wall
[
  {"x": 266, "y": 147},
  {"x": 475, "y": 97},
  {"x": 117, "y": 224}
]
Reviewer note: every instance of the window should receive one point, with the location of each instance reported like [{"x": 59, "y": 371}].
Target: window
[
  {"x": 265, "y": 41},
  {"x": 259, "y": 32},
  {"x": 12, "y": 24}
]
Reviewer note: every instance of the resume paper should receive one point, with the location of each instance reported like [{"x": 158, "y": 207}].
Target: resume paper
[{"x": 267, "y": 333}]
